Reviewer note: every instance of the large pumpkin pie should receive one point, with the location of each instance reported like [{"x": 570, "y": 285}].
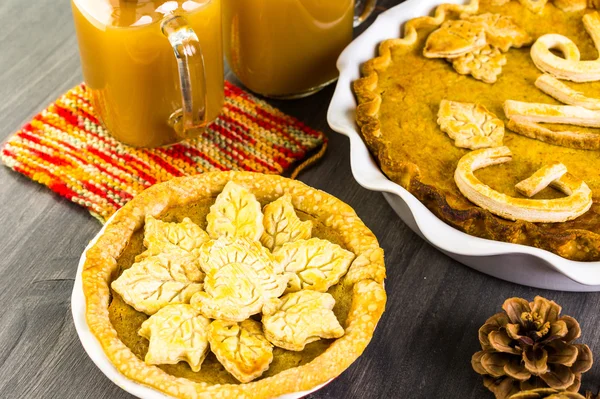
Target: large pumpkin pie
[
  {"x": 234, "y": 285},
  {"x": 488, "y": 113}
]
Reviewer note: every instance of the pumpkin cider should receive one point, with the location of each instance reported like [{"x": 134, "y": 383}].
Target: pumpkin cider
[
  {"x": 130, "y": 67},
  {"x": 286, "y": 48}
]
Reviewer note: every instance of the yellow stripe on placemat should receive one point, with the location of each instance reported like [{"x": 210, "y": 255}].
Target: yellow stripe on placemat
[{"x": 65, "y": 148}]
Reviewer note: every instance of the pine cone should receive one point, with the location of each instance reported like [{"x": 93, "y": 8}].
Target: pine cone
[
  {"x": 528, "y": 347},
  {"x": 546, "y": 393}
]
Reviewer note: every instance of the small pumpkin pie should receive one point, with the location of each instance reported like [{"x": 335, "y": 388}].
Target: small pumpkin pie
[
  {"x": 488, "y": 113},
  {"x": 234, "y": 285}
]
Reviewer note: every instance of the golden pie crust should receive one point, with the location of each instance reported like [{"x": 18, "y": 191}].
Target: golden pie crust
[
  {"x": 391, "y": 121},
  {"x": 368, "y": 300}
]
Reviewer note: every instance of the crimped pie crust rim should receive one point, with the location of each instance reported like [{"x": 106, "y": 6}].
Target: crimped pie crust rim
[
  {"x": 368, "y": 301},
  {"x": 407, "y": 173}
]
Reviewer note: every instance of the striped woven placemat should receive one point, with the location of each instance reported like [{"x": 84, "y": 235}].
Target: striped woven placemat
[{"x": 65, "y": 148}]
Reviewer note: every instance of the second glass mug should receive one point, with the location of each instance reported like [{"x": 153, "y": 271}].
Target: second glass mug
[
  {"x": 288, "y": 49},
  {"x": 154, "y": 67}
]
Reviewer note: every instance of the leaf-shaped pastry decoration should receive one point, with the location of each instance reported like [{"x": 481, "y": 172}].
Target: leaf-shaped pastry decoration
[
  {"x": 235, "y": 213},
  {"x": 484, "y": 64},
  {"x": 158, "y": 281},
  {"x": 160, "y": 236},
  {"x": 313, "y": 264},
  {"x": 367, "y": 265},
  {"x": 454, "y": 38},
  {"x": 241, "y": 348},
  {"x": 501, "y": 31},
  {"x": 300, "y": 318},
  {"x": 282, "y": 225},
  {"x": 470, "y": 125},
  {"x": 240, "y": 276},
  {"x": 176, "y": 333}
]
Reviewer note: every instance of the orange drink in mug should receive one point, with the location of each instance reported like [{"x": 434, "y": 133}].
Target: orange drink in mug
[
  {"x": 288, "y": 48},
  {"x": 154, "y": 67}
]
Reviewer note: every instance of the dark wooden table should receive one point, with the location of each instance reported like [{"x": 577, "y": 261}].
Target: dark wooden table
[{"x": 422, "y": 346}]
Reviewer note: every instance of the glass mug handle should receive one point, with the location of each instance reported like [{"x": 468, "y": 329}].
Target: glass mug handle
[
  {"x": 192, "y": 76},
  {"x": 368, "y": 9}
]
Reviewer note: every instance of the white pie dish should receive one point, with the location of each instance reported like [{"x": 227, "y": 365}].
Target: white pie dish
[
  {"x": 96, "y": 353},
  {"x": 516, "y": 263}
]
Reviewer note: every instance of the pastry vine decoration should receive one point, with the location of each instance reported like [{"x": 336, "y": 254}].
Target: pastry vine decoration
[
  {"x": 563, "y": 93},
  {"x": 201, "y": 289},
  {"x": 541, "y": 179},
  {"x": 529, "y": 345},
  {"x": 549, "y": 113},
  {"x": 525, "y": 119},
  {"x": 577, "y": 202},
  {"x": 570, "y": 66},
  {"x": 470, "y": 125}
]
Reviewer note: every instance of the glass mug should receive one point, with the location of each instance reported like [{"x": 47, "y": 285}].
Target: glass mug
[
  {"x": 154, "y": 67},
  {"x": 288, "y": 48}
]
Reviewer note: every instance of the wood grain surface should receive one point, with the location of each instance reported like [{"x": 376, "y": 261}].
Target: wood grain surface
[{"x": 422, "y": 346}]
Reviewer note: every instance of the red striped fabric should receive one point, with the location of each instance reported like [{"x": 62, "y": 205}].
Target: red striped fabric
[{"x": 65, "y": 148}]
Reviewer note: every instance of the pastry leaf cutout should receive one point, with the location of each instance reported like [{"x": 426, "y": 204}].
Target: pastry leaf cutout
[
  {"x": 241, "y": 348},
  {"x": 282, "y": 225},
  {"x": 501, "y": 31},
  {"x": 313, "y": 264},
  {"x": 176, "y": 333},
  {"x": 158, "y": 281},
  {"x": 240, "y": 276},
  {"x": 235, "y": 213},
  {"x": 470, "y": 125},
  {"x": 175, "y": 238},
  {"x": 484, "y": 64},
  {"x": 454, "y": 38},
  {"x": 300, "y": 318},
  {"x": 159, "y": 235}
]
